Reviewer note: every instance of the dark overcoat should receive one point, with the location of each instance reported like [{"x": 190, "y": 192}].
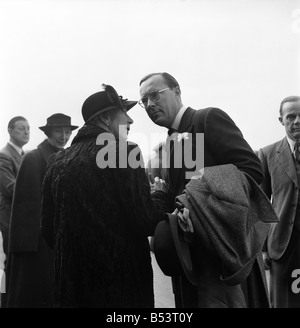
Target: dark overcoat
[
  {"x": 98, "y": 220},
  {"x": 30, "y": 269},
  {"x": 222, "y": 143}
]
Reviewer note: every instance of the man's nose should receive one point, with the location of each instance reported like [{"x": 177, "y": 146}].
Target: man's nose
[
  {"x": 64, "y": 135},
  {"x": 297, "y": 119},
  {"x": 150, "y": 102}
]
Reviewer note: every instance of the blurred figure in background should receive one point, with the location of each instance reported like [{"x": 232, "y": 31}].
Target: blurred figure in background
[
  {"x": 30, "y": 261},
  {"x": 157, "y": 163}
]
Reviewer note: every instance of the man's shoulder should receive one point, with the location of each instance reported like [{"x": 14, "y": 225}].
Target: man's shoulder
[
  {"x": 6, "y": 152},
  {"x": 203, "y": 113},
  {"x": 273, "y": 146},
  {"x": 32, "y": 154},
  {"x": 208, "y": 110}
]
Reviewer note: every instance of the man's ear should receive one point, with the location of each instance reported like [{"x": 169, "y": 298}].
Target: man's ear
[
  {"x": 280, "y": 120},
  {"x": 177, "y": 91}
]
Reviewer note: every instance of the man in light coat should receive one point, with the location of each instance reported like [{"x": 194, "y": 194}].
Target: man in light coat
[
  {"x": 10, "y": 160},
  {"x": 281, "y": 184}
]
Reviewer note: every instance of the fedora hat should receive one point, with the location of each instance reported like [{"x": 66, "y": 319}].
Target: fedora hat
[
  {"x": 103, "y": 101},
  {"x": 58, "y": 120},
  {"x": 172, "y": 250}
]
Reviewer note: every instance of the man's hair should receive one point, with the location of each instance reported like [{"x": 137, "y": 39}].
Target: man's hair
[
  {"x": 288, "y": 99},
  {"x": 11, "y": 123},
  {"x": 169, "y": 79}
]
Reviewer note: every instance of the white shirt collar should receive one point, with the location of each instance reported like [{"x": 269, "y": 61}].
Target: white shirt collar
[
  {"x": 17, "y": 148},
  {"x": 177, "y": 120},
  {"x": 291, "y": 143}
]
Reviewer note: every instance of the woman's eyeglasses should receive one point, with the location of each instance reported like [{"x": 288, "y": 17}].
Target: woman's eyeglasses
[{"x": 154, "y": 96}]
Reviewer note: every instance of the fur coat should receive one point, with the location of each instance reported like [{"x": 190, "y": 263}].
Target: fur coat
[{"x": 98, "y": 220}]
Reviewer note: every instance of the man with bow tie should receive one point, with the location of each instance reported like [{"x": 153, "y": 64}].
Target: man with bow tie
[
  {"x": 280, "y": 162},
  {"x": 223, "y": 144}
]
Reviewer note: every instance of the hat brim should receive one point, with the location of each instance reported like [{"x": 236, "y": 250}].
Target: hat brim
[
  {"x": 172, "y": 251},
  {"x": 48, "y": 127},
  {"x": 165, "y": 251},
  {"x": 127, "y": 104},
  {"x": 183, "y": 250}
]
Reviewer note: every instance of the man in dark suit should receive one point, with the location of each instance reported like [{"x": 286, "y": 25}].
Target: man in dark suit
[
  {"x": 223, "y": 144},
  {"x": 10, "y": 160},
  {"x": 281, "y": 184}
]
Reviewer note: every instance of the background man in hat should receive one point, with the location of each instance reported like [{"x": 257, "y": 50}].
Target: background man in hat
[
  {"x": 30, "y": 261},
  {"x": 10, "y": 160},
  {"x": 96, "y": 217}
]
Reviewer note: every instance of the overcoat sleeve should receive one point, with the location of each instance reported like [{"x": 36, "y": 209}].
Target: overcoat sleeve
[
  {"x": 48, "y": 206},
  {"x": 7, "y": 176},
  {"x": 266, "y": 184}
]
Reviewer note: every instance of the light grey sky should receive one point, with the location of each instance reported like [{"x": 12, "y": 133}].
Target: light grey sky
[{"x": 242, "y": 56}]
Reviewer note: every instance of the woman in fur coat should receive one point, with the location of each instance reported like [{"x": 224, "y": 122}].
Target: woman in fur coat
[{"x": 97, "y": 212}]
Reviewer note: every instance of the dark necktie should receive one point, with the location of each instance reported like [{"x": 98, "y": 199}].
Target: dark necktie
[
  {"x": 297, "y": 152},
  {"x": 171, "y": 131}
]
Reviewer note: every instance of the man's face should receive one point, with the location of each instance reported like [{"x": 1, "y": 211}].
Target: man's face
[
  {"x": 163, "y": 110},
  {"x": 20, "y": 133},
  {"x": 59, "y": 136},
  {"x": 290, "y": 119}
]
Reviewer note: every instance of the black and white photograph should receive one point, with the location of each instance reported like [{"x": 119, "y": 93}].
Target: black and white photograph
[{"x": 150, "y": 156}]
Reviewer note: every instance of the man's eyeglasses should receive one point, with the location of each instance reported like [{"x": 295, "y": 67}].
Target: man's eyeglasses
[{"x": 154, "y": 96}]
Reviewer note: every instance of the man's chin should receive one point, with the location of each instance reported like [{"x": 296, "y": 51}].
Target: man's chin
[
  {"x": 158, "y": 121},
  {"x": 296, "y": 136}
]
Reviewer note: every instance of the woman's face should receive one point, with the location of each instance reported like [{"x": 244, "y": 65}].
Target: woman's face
[
  {"x": 120, "y": 122},
  {"x": 59, "y": 136}
]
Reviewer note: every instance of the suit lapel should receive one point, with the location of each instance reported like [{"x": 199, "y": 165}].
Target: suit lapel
[
  {"x": 46, "y": 150},
  {"x": 286, "y": 160},
  {"x": 186, "y": 121},
  {"x": 185, "y": 126},
  {"x": 15, "y": 155}
]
